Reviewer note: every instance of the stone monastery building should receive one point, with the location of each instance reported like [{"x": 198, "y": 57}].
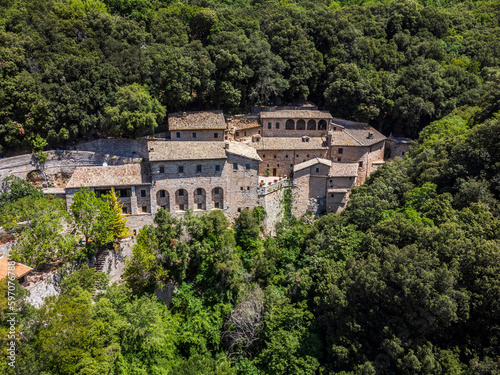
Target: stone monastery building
[{"x": 207, "y": 161}]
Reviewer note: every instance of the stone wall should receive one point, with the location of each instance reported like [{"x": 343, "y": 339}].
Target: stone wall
[
  {"x": 242, "y": 184},
  {"x": 284, "y": 160},
  {"x": 201, "y": 135},
  {"x": 131, "y": 148},
  {"x": 63, "y": 162},
  {"x": 46, "y": 288},
  {"x": 270, "y": 198}
]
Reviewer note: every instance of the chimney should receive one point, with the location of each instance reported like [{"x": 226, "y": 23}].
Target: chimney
[
  {"x": 370, "y": 135},
  {"x": 226, "y": 145}
]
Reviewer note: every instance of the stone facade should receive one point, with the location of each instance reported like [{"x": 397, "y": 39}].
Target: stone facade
[{"x": 197, "y": 135}]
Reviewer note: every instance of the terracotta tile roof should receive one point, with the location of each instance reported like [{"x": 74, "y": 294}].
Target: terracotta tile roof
[
  {"x": 296, "y": 113},
  {"x": 285, "y": 143},
  {"x": 198, "y": 120},
  {"x": 339, "y": 169},
  {"x": 245, "y": 124},
  {"x": 361, "y": 132},
  {"x": 20, "y": 269},
  {"x": 197, "y": 150},
  {"x": 341, "y": 138},
  {"x": 312, "y": 162},
  {"x": 115, "y": 175},
  {"x": 242, "y": 149}
]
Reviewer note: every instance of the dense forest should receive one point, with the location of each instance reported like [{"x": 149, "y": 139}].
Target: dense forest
[
  {"x": 405, "y": 281},
  {"x": 73, "y": 69}
]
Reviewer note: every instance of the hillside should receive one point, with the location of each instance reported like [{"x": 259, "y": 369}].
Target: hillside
[{"x": 73, "y": 69}]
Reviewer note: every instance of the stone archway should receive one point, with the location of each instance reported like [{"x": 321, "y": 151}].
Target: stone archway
[
  {"x": 200, "y": 199},
  {"x": 311, "y": 125},
  {"x": 322, "y": 125},
  {"x": 301, "y": 125},
  {"x": 290, "y": 125},
  {"x": 181, "y": 200},
  {"x": 217, "y": 198},
  {"x": 163, "y": 199}
]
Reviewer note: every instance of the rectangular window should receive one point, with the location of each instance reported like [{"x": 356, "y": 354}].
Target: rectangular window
[
  {"x": 181, "y": 193},
  {"x": 177, "y": 135},
  {"x": 235, "y": 166},
  {"x": 143, "y": 193},
  {"x": 181, "y": 207},
  {"x": 239, "y": 209},
  {"x": 217, "y": 168},
  {"x": 334, "y": 128},
  {"x": 200, "y": 206},
  {"x": 180, "y": 169},
  {"x": 237, "y": 134},
  {"x": 341, "y": 150},
  {"x": 275, "y": 156},
  {"x": 248, "y": 187},
  {"x": 217, "y": 205},
  {"x": 339, "y": 159},
  {"x": 286, "y": 156},
  {"x": 194, "y": 135},
  {"x": 332, "y": 195},
  {"x": 216, "y": 135},
  {"x": 317, "y": 170},
  {"x": 269, "y": 125},
  {"x": 162, "y": 169},
  {"x": 307, "y": 156},
  {"x": 245, "y": 134},
  {"x": 124, "y": 210},
  {"x": 277, "y": 125},
  {"x": 199, "y": 191},
  {"x": 247, "y": 166},
  {"x": 198, "y": 169},
  {"x": 241, "y": 187},
  {"x": 216, "y": 191},
  {"x": 360, "y": 164},
  {"x": 162, "y": 193},
  {"x": 144, "y": 208}
]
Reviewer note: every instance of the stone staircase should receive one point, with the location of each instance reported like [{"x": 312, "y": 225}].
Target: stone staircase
[{"x": 100, "y": 259}]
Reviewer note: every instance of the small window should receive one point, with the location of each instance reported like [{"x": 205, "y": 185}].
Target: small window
[
  {"x": 198, "y": 169},
  {"x": 317, "y": 170},
  {"x": 235, "y": 166},
  {"x": 124, "y": 210},
  {"x": 307, "y": 155},
  {"x": 200, "y": 206},
  {"x": 237, "y": 134},
  {"x": 297, "y": 155},
  {"x": 332, "y": 195},
  {"x": 248, "y": 187},
  {"x": 341, "y": 150},
  {"x": 291, "y": 165},
  {"x": 180, "y": 169},
  {"x": 268, "y": 165},
  {"x": 331, "y": 181},
  {"x": 216, "y": 191},
  {"x": 177, "y": 135},
  {"x": 247, "y": 166},
  {"x": 216, "y": 135},
  {"x": 239, "y": 209},
  {"x": 143, "y": 193},
  {"x": 275, "y": 156},
  {"x": 360, "y": 164},
  {"x": 194, "y": 135},
  {"x": 217, "y": 168},
  {"x": 277, "y": 125},
  {"x": 334, "y": 128},
  {"x": 263, "y": 156},
  {"x": 181, "y": 193},
  {"x": 162, "y": 169},
  {"x": 199, "y": 191},
  {"x": 269, "y": 125},
  {"x": 245, "y": 134},
  {"x": 339, "y": 159},
  {"x": 241, "y": 188},
  {"x": 307, "y": 139},
  {"x": 278, "y": 165},
  {"x": 181, "y": 207},
  {"x": 286, "y": 156},
  {"x": 217, "y": 205},
  {"x": 259, "y": 131},
  {"x": 144, "y": 208},
  {"x": 162, "y": 193}
]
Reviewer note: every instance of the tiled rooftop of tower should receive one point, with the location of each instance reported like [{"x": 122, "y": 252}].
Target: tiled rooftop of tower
[
  {"x": 113, "y": 175},
  {"x": 199, "y": 120},
  {"x": 190, "y": 150}
]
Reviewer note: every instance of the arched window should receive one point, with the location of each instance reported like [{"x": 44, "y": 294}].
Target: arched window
[
  {"x": 301, "y": 125},
  {"x": 322, "y": 125},
  {"x": 217, "y": 198},
  {"x": 163, "y": 199},
  {"x": 290, "y": 125},
  {"x": 311, "y": 125},
  {"x": 200, "y": 199},
  {"x": 181, "y": 200}
]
